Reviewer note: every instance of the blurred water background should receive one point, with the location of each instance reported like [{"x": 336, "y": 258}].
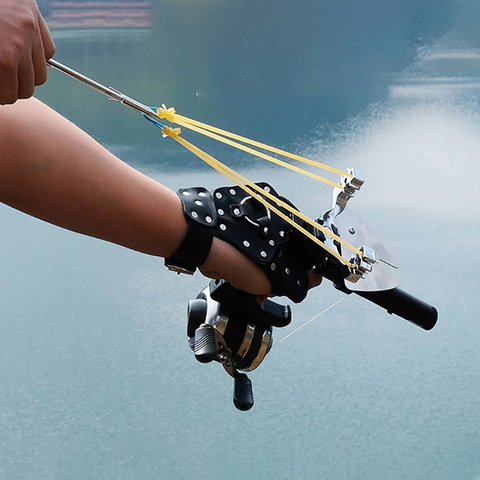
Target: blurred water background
[{"x": 96, "y": 378}]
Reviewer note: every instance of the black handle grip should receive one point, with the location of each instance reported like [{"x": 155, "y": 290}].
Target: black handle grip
[
  {"x": 205, "y": 347},
  {"x": 242, "y": 392},
  {"x": 404, "y": 305},
  {"x": 394, "y": 300}
]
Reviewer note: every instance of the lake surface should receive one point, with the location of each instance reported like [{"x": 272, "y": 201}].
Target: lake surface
[{"x": 97, "y": 380}]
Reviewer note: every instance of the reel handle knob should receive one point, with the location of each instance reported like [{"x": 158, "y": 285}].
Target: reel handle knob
[
  {"x": 242, "y": 392},
  {"x": 205, "y": 348}
]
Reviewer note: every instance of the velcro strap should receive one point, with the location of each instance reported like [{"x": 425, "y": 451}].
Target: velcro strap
[{"x": 199, "y": 211}]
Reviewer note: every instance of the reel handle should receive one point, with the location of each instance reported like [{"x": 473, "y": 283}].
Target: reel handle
[
  {"x": 242, "y": 392},
  {"x": 205, "y": 348}
]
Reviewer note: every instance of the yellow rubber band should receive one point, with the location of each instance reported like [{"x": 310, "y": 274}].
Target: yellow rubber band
[
  {"x": 222, "y": 135},
  {"x": 186, "y": 122},
  {"x": 249, "y": 187},
  {"x": 269, "y": 158},
  {"x": 167, "y": 113},
  {"x": 169, "y": 131}
]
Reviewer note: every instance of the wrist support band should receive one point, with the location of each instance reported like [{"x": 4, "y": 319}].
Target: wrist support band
[{"x": 200, "y": 214}]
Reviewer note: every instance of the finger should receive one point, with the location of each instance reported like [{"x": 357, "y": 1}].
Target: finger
[
  {"x": 261, "y": 298},
  {"x": 314, "y": 279},
  {"x": 8, "y": 85},
  {"x": 26, "y": 79},
  {"x": 210, "y": 273},
  {"x": 44, "y": 50},
  {"x": 47, "y": 41}
]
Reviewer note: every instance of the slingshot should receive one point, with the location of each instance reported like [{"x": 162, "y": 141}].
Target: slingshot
[{"x": 227, "y": 325}]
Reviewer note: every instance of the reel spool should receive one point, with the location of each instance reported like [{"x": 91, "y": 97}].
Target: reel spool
[{"x": 229, "y": 326}]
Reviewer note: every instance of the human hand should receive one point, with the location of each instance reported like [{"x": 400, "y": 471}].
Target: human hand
[
  {"x": 25, "y": 45},
  {"x": 226, "y": 262}
]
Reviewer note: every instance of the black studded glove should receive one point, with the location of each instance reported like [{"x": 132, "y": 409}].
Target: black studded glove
[{"x": 231, "y": 214}]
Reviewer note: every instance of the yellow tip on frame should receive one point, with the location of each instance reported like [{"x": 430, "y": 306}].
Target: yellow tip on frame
[
  {"x": 171, "y": 132},
  {"x": 167, "y": 113}
]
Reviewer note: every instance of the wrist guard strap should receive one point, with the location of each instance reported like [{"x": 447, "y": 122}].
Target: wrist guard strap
[{"x": 199, "y": 211}]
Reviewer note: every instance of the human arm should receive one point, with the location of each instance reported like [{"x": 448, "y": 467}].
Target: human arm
[
  {"x": 51, "y": 169},
  {"x": 25, "y": 45}
]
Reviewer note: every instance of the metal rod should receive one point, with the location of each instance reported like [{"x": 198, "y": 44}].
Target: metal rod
[{"x": 110, "y": 92}]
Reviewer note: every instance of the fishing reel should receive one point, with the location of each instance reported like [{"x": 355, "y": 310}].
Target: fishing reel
[{"x": 229, "y": 326}]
